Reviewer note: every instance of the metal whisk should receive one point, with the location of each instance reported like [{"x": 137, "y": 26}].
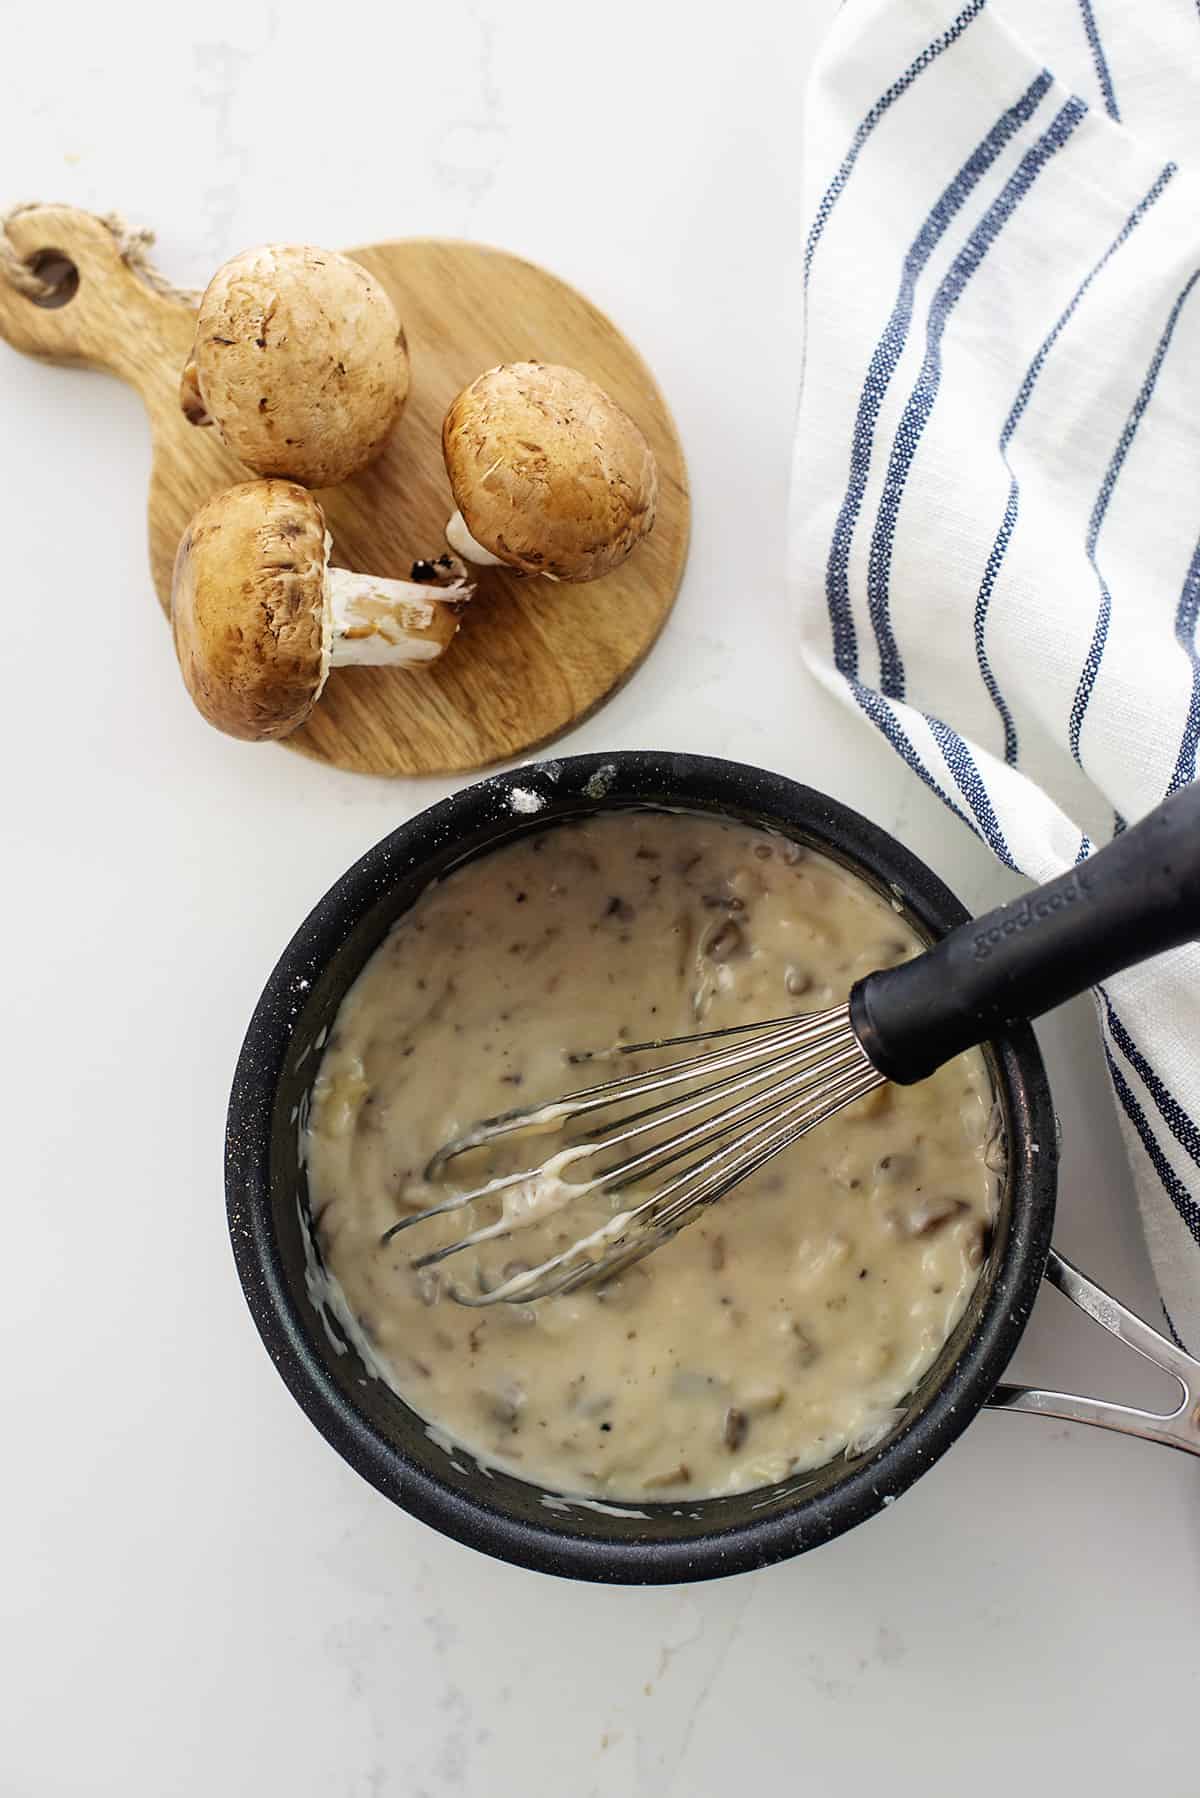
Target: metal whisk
[{"x": 716, "y": 1117}]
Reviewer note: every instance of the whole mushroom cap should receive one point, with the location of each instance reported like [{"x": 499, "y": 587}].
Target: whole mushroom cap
[
  {"x": 248, "y": 608},
  {"x": 549, "y": 473},
  {"x": 299, "y": 361}
]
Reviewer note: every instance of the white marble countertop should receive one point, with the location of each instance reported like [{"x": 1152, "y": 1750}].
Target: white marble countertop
[{"x": 199, "y": 1597}]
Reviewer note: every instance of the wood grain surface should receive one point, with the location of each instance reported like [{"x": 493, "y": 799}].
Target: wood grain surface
[{"x": 531, "y": 658}]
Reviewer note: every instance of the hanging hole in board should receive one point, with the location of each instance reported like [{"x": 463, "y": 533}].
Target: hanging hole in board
[{"x": 60, "y": 275}]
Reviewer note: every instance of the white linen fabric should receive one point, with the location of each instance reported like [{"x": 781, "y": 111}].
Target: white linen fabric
[{"x": 996, "y": 500}]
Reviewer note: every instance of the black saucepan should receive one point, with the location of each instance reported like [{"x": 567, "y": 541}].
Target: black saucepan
[{"x": 386, "y": 1441}]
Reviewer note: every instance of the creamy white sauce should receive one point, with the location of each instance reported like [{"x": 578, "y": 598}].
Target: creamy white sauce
[{"x": 790, "y": 1322}]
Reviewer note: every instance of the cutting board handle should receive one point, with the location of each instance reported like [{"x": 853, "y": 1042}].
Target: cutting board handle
[{"x": 112, "y": 320}]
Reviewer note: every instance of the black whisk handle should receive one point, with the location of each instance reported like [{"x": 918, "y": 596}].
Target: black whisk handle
[{"x": 1135, "y": 898}]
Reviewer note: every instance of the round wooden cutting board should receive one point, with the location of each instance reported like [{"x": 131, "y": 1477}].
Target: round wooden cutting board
[{"x": 531, "y": 657}]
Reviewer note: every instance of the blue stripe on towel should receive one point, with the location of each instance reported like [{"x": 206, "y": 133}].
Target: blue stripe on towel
[
  {"x": 1185, "y": 634},
  {"x": 1176, "y": 1338},
  {"x": 1095, "y": 654},
  {"x": 1012, "y": 505},
  {"x": 1177, "y": 1192},
  {"x": 885, "y": 720},
  {"x": 921, "y": 400},
  {"x": 887, "y": 354},
  {"x": 961, "y": 764},
  {"x": 900, "y": 86},
  {"x": 958, "y": 759},
  {"x": 1099, "y": 59},
  {"x": 987, "y": 586},
  {"x": 1182, "y": 1127}
]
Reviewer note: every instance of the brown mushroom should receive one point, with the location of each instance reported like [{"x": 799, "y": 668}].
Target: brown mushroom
[
  {"x": 549, "y": 475},
  {"x": 260, "y": 618},
  {"x": 299, "y": 363}
]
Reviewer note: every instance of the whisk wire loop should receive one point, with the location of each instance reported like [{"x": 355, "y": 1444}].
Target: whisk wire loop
[{"x": 723, "y": 1114}]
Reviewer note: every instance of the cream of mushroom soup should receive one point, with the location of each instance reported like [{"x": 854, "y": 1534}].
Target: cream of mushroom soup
[{"x": 781, "y": 1328}]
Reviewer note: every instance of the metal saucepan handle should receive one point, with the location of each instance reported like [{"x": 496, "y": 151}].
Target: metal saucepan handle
[{"x": 1179, "y": 1428}]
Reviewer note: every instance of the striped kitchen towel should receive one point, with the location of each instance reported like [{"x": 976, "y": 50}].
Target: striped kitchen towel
[{"x": 996, "y": 502}]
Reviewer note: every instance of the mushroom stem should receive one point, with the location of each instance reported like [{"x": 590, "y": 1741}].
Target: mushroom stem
[
  {"x": 463, "y": 544},
  {"x": 384, "y": 623},
  {"x": 190, "y": 396}
]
